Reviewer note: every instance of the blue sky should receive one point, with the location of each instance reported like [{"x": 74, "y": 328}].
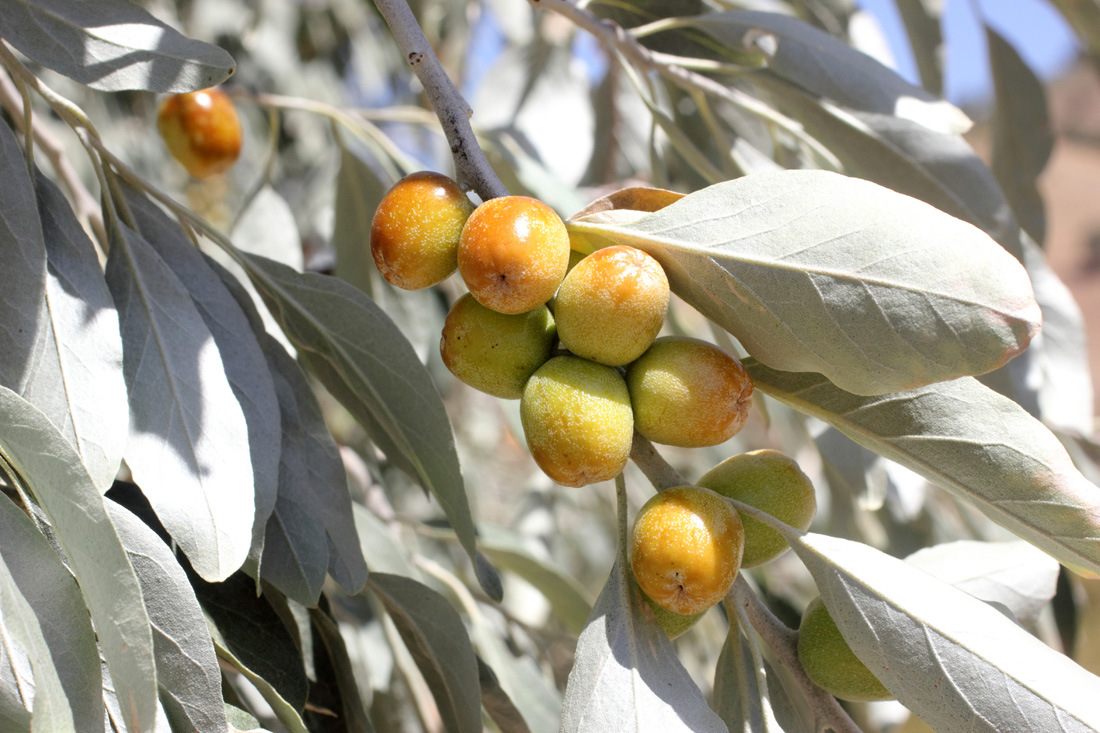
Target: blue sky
[{"x": 1038, "y": 32}]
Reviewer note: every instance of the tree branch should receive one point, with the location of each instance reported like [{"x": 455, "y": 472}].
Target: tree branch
[
  {"x": 471, "y": 166},
  {"x": 659, "y": 471}
]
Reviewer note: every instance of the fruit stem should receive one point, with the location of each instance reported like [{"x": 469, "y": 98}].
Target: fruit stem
[
  {"x": 471, "y": 166},
  {"x": 783, "y": 641},
  {"x": 659, "y": 471}
]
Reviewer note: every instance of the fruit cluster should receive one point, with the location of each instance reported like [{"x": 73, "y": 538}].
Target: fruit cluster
[{"x": 577, "y": 345}]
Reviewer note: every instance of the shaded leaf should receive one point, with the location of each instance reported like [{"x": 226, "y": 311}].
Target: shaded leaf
[
  {"x": 635, "y": 198},
  {"x": 359, "y": 190},
  {"x": 812, "y": 271},
  {"x": 23, "y": 261},
  {"x": 980, "y": 446},
  {"x": 1022, "y": 137},
  {"x": 354, "y": 716},
  {"x": 922, "y": 26},
  {"x": 267, "y": 227},
  {"x": 187, "y": 432},
  {"x": 437, "y": 640},
  {"x": 111, "y": 45},
  {"x": 497, "y": 703},
  {"x": 55, "y": 600},
  {"x": 80, "y": 385},
  {"x": 54, "y": 474},
  {"x": 626, "y": 676},
  {"x": 383, "y": 551},
  {"x": 910, "y": 628},
  {"x": 741, "y": 690}
]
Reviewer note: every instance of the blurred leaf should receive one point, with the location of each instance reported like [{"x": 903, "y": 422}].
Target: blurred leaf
[
  {"x": 741, "y": 688},
  {"x": 384, "y": 552},
  {"x": 23, "y": 261},
  {"x": 922, "y": 25},
  {"x": 244, "y": 363},
  {"x": 812, "y": 271},
  {"x": 354, "y": 718},
  {"x": 50, "y": 592},
  {"x": 909, "y": 628},
  {"x": 626, "y": 676},
  {"x": 55, "y": 475},
  {"x": 1013, "y": 574},
  {"x": 1084, "y": 16},
  {"x": 497, "y": 703},
  {"x": 111, "y": 45},
  {"x": 188, "y": 675},
  {"x": 367, "y": 364},
  {"x": 438, "y": 642},
  {"x": 980, "y": 446},
  {"x": 79, "y": 383},
  {"x": 853, "y": 469},
  {"x": 359, "y": 190},
  {"x": 20, "y": 623},
  {"x": 1022, "y": 136},
  {"x": 635, "y": 198},
  {"x": 187, "y": 431},
  {"x": 267, "y": 227}
]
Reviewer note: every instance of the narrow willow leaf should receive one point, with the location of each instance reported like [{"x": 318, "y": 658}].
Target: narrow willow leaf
[
  {"x": 830, "y": 68},
  {"x": 1022, "y": 136},
  {"x": 20, "y": 625},
  {"x": 84, "y": 392},
  {"x": 922, "y": 26},
  {"x": 245, "y": 366},
  {"x": 23, "y": 262},
  {"x": 353, "y": 716},
  {"x": 437, "y": 639},
  {"x": 909, "y": 628},
  {"x": 626, "y": 676},
  {"x": 55, "y": 475},
  {"x": 53, "y": 596},
  {"x": 1013, "y": 574},
  {"x": 497, "y": 703},
  {"x": 367, "y": 364},
  {"x": 188, "y": 675},
  {"x": 980, "y": 446},
  {"x": 813, "y": 271},
  {"x": 111, "y": 45},
  {"x": 188, "y": 436}
]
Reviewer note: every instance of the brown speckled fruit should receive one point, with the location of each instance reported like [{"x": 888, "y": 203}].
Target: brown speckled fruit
[
  {"x": 611, "y": 305},
  {"x": 577, "y": 420},
  {"x": 415, "y": 230},
  {"x": 202, "y": 131},
  {"x": 495, "y": 352},
  {"x": 685, "y": 549},
  {"x": 688, "y": 393},
  {"x": 513, "y": 253},
  {"x": 830, "y": 662}
]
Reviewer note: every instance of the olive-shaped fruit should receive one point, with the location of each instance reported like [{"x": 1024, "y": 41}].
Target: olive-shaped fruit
[
  {"x": 830, "y": 662},
  {"x": 202, "y": 131}
]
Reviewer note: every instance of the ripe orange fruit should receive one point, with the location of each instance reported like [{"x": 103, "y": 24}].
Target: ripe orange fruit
[{"x": 201, "y": 130}]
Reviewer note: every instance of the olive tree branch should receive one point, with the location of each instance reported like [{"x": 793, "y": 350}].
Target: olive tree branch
[
  {"x": 659, "y": 471},
  {"x": 471, "y": 166},
  {"x": 783, "y": 641}
]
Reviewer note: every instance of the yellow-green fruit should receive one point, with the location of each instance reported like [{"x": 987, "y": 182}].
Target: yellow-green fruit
[
  {"x": 688, "y": 393},
  {"x": 577, "y": 420},
  {"x": 611, "y": 305},
  {"x": 415, "y": 230},
  {"x": 830, "y": 662},
  {"x": 773, "y": 483},
  {"x": 685, "y": 549},
  {"x": 513, "y": 253},
  {"x": 673, "y": 624},
  {"x": 495, "y": 352}
]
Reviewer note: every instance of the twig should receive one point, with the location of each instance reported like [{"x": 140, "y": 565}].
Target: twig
[
  {"x": 471, "y": 166},
  {"x": 659, "y": 471},
  {"x": 783, "y": 641}
]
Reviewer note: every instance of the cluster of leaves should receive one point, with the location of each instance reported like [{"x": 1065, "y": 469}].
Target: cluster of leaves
[{"x": 257, "y": 408}]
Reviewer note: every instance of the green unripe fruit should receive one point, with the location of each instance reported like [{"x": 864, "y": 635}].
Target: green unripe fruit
[
  {"x": 495, "y": 352},
  {"x": 773, "y": 483},
  {"x": 673, "y": 624},
  {"x": 612, "y": 304},
  {"x": 577, "y": 420},
  {"x": 830, "y": 663},
  {"x": 688, "y": 393}
]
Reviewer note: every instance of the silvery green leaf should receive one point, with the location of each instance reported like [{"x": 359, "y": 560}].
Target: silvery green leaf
[
  {"x": 922, "y": 26},
  {"x": 188, "y": 435},
  {"x": 359, "y": 190},
  {"x": 54, "y": 474},
  {"x": 741, "y": 689},
  {"x": 188, "y": 675},
  {"x": 245, "y": 366},
  {"x": 626, "y": 676},
  {"x": 80, "y": 384},
  {"x": 1022, "y": 136},
  {"x": 909, "y": 628},
  {"x": 1013, "y": 574},
  {"x": 267, "y": 227},
  {"x": 849, "y": 467},
  {"x": 53, "y": 596},
  {"x": 111, "y": 45},
  {"x": 437, "y": 639},
  {"x": 384, "y": 552},
  {"x": 812, "y": 271},
  {"x": 23, "y": 262},
  {"x": 19, "y": 625},
  {"x": 977, "y": 444},
  {"x": 367, "y": 364},
  {"x": 515, "y": 691}
]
